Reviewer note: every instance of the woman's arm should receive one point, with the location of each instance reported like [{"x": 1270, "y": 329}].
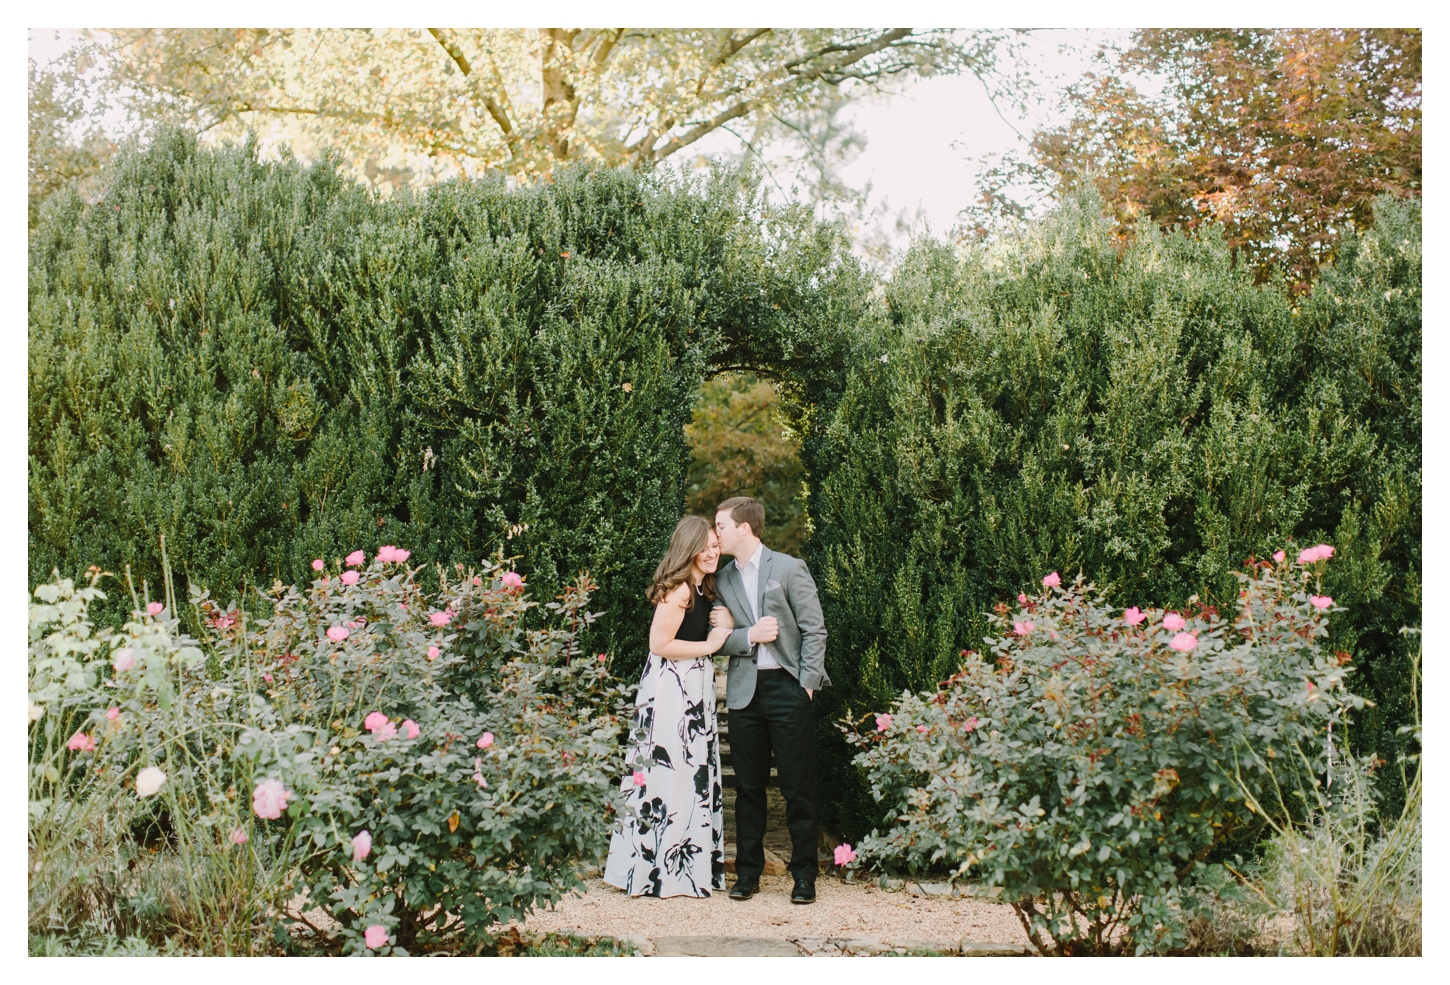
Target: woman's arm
[{"x": 669, "y": 613}]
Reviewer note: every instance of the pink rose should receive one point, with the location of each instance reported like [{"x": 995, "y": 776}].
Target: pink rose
[
  {"x": 1052, "y": 580},
  {"x": 1173, "y": 622},
  {"x": 1321, "y": 601},
  {"x": 80, "y": 742},
  {"x": 923, "y": 729},
  {"x": 477, "y": 580},
  {"x": 269, "y": 800},
  {"x": 337, "y": 633},
  {"x": 124, "y": 659},
  {"x": 845, "y": 855},
  {"x": 390, "y": 554},
  {"x": 410, "y": 728},
  {"x": 1310, "y": 686},
  {"x": 356, "y": 558},
  {"x": 154, "y": 608},
  {"x": 350, "y": 577},
  {"x": 238, "y": 837},
  {"x": 387, "y": 731},
  {"x": 883, "y": 722},
  {"x": 375, "y": 721},
  {"x": 362, "y": 844},
  {"x": 478, "y": 778},
  {"x": 1279, "y": 556},
  {"x": 1134, "y": 616},
  {"x": 638, "y": 778},
  {"x": 970, "y": 724},
  {"x": 440, "y": 618},
  {"x": 113, "y": 713},
  {"x": 267, "y": 678},
  {"x": 1022, "y": 598},
  {"x": 317, "y": 564},
  {"x": 1022, "y": 628},
  {"x": 512, "y": 581},
  {"x": 1183, "y": 642},
  {"x": 485, "y": 740},
  {"x": 375, "y": 936},
  {"x": 1319, "y": 552},
  {"x": 433, "y": 652}
]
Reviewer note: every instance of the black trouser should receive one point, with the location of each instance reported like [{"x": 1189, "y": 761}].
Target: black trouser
[{"x": 779, "y": 717}]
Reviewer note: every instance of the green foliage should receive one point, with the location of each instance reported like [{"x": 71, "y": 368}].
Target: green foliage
[
  {"x": 1150, "y": 419},
  {"x": 481, "y": 758},
  {"x": 1091, "y": 767},
  {"x": 267, "y": 364}
]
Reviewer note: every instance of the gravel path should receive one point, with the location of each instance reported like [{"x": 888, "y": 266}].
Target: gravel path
[{"x": 840, "y": 910}]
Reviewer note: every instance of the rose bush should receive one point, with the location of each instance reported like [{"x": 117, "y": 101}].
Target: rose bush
[
  {"x": 1087, "y": 770},
  {"x": 330, "y": 753}
]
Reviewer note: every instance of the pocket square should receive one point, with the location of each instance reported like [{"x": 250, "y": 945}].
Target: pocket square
[{"x": 772, "y": 585}]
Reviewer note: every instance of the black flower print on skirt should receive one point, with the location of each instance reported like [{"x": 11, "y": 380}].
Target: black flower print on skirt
[{"x": 671, "y": 842}]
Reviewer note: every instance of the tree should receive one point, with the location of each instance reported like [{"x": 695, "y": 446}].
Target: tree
[
  {"x": 62, "y": 147},
  {"x": 1282, "y": 138},
  {"x": 416, "y": 104}
]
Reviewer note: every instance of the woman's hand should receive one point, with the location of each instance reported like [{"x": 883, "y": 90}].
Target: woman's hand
[
  {"x": 720, "y": 617},
  {"x": 718, "y": 636}
]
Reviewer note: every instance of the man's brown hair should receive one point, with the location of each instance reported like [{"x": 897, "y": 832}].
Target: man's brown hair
[{"x": 743, "y": 509}]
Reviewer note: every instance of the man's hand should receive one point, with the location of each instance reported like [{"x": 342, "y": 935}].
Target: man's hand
[
  {"x": 764, "y": 631},
  {"x": 810, "y": 694},
  {"x": 720, "y": 618}
]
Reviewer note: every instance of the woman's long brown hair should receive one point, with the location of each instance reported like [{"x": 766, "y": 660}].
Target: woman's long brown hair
[{"x": 691, "y": 537}]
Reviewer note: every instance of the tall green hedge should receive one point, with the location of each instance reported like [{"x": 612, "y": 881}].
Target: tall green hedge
[
  {"x": 1151, "y": 419},
  {"x": 267, "y": 364}
]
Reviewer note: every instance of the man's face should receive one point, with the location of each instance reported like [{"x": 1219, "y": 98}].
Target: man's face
[{"x": 728, "y": 532}]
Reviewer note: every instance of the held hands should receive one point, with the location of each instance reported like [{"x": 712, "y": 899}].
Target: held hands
[
  {"x": 764, "y": 631},
  {"x": 718, "y": 636},
  {"x": 720, "y": 617}
]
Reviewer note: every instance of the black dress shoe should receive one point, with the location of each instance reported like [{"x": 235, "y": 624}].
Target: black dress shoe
[
  {"x": 804, "y": 892},
  {"x": 743, "y": 890}
]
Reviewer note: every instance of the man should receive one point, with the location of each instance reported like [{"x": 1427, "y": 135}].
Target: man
[{"x": 777, "y": 663}]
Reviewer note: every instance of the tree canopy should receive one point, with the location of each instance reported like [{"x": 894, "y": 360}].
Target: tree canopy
[{"x": 1283, "y": 138}]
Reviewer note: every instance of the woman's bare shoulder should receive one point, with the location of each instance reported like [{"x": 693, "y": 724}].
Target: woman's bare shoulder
[{"x": 677, "y": 595}]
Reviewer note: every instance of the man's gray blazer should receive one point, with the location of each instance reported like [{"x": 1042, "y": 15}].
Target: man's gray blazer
[{"x": 788, "y": 593}]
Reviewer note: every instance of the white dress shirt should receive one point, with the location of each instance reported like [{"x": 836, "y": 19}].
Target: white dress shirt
[{"x": 750, "y": 578}]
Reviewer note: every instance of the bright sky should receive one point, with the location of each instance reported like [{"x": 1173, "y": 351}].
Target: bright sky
[{"x": 922, "y": 143}]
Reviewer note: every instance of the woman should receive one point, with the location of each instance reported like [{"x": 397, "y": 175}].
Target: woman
[{"x": 673, "y": 845}]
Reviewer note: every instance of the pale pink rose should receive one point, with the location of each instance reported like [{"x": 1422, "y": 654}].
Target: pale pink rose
[
  {"x": 440, "y": 618},
  {"x": 1052, "y": 580},
  {"x": 154, "y": 608},
  {"x": 1183, "y": 642},
  {"x": 1309, "y": 685},
  {"x": 923, "y": 729},
  {"x": 970, "y": 725},
  {"x": 387, "y": 731},
  {"x": 267, "y": 678},
  {"x": 1022, "y": 598},
  {"x": 389, "y": 553},
  {"x": 1022, "y": 628},
  {"x": 1319, "y": 552},
  {"x": 317, "y": 564},
  {"x": 1279, "y": 556},
  {"x": 375, "y": 936},
  {"x": 433, "y": 652},
  {"x": 478, "y": 778},
  {"x": 269, "y": 800},
  {"x": 485, "y": 740},
  {"x": 337, "y": 633},
  {"x": 410, "y": 728},
  {"x": 1321, "y": 601},
  {"x": 80, "y": 742},
  {"x": 512, "y": 580},
  {"x": 124, "y": 659},
  {"x": 1134, "y": 616},
  {"x": 148, "y": 781},
  {"x": 601, "y": 658},
  {"x": 883, "y": 722},
  {"x": 477, "y": 580},
  {"x": 362, "y": 844},
  {"x": 356, "y": 558},
  {"x": 350, "y": 577},
  {"x": 638, "y": 778},
  {"x": 238, "y": 837},
  {"x": 113, "y": 713},
  {"x": 374, "y": 721},
  {"x": 845, "y": 855},
  {"x": 224, "y": 620},
  {"x": 355, "y": 624},
  {"x": 1173, "y": 622}
]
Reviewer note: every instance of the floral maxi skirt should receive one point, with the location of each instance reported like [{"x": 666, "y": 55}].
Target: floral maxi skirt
[{"x": 673, "y": 844}]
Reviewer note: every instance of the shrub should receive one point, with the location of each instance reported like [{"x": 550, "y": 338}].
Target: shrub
[
  {"x": 1150, "y": 418},
  {"x": 1090, "y": 769},
  {"x": 267, "y": 364},
  {"x": 480, "y": 757}
]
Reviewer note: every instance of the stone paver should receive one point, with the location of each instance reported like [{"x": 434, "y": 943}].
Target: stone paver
[{"x": 723, "y": 947}]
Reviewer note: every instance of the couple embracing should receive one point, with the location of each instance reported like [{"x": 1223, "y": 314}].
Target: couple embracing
[{"x": 763, "y": 613}]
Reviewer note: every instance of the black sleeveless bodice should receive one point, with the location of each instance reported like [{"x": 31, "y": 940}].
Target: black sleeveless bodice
[{"x": 695, "y": 627}]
